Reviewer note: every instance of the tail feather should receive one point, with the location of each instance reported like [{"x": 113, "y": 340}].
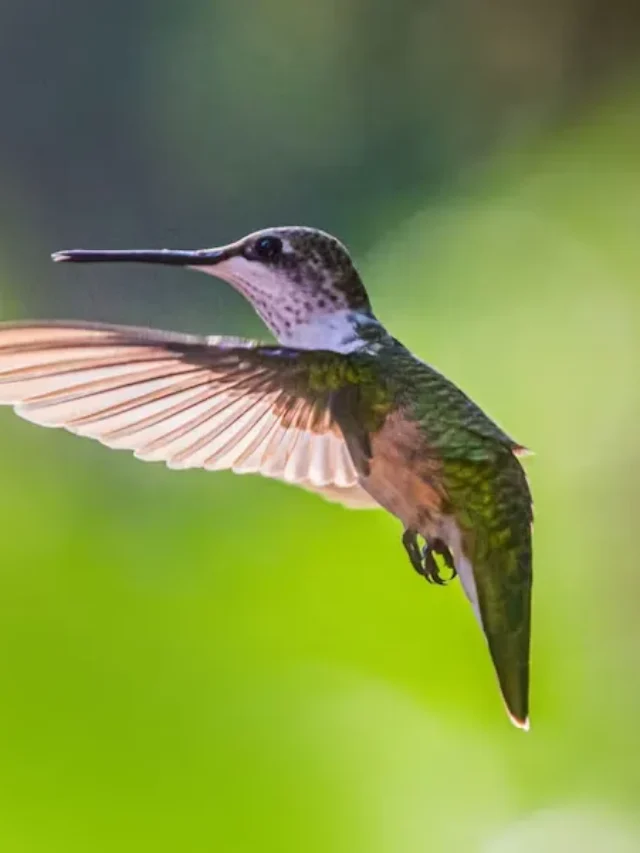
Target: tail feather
[{"x": 491, "y": 546}]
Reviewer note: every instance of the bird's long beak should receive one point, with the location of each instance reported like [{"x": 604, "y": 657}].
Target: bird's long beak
[{"x": 172, "y": 257}]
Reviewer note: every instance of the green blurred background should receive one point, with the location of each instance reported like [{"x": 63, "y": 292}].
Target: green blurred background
[{"x": 196, "y": 662}]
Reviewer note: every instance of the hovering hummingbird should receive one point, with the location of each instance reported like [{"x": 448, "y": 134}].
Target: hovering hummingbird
[{"x": 337, "y": 406}]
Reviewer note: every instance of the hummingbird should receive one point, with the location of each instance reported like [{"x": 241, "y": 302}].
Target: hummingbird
[{"x": 337, "y": 406}]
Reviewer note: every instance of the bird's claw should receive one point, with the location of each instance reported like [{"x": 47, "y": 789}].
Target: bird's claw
[
  {"x": 431, "y": 570},
  {"x": 410, "y": 542},
  {"x": 437, "y": 546},
  {"x": 424, "y": 560}
]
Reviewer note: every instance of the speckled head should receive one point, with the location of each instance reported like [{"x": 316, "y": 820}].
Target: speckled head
[
  {"x": 301, "y": 281},
  {"x": 293, "y": 276}
]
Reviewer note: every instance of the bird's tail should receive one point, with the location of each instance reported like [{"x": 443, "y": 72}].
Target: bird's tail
[{"x": 491, "y": 547}]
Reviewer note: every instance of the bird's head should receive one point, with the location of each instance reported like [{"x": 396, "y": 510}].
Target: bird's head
[{"x": 301, "y": 281}]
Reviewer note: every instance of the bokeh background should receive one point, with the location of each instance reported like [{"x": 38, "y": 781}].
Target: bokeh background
[{"x": 196, "y": 662}]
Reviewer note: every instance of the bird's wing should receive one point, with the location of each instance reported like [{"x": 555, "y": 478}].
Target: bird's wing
[
  {"x": 491, "y": 545},
  {"x": 192, "y": 402}
]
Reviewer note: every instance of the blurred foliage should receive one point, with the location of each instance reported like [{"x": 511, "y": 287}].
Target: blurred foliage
[{"x": 197, "y": 662}]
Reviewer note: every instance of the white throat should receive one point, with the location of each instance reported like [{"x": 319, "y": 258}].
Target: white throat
[
  {"x": 336, "y": 331},
  {"x": 293, "y": 315}
]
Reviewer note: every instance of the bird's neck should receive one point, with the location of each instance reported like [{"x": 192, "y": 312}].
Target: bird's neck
[{"x": 343, "y": 330}]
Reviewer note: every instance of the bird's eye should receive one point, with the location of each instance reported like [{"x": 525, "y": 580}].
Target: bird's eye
[{"x": 268, "y": 248}]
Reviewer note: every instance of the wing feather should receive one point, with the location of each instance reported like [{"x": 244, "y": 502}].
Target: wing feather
[{"x": 213, "y": 403}]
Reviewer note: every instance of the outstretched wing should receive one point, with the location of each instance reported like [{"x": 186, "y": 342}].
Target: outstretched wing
[
  {"x": 491, "y": 544},
  {"x": 192, "y": 402}
]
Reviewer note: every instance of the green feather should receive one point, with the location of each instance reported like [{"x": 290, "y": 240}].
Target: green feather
[{"x": 492, "y": 506}]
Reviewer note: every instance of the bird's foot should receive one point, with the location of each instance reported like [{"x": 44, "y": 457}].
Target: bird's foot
[
  {"x": 439, "y": 547},
  {"x": 431, "y": 569},
  {"x": 424, "y": 560},
  {"x": 410, "y": 542}
]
